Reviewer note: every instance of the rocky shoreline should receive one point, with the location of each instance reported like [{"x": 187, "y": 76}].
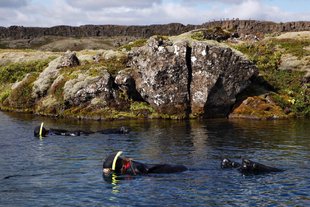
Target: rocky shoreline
[{"x": 172, "y": 77}]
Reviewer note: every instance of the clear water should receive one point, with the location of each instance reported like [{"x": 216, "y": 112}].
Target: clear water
[{"x": 66, "y": 171}]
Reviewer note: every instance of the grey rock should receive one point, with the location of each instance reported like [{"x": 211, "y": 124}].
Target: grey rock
[
  {"x": 47, "y": 77},
  {"x": 161, "y": 75},
  {"x": 190, "y": 77},
  {"x": 218, "y": 75},
  {"x": 126, "y": 84},
  {"x": 84, "y": 88}
]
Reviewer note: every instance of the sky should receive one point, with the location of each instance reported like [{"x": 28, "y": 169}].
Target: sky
[{"x": 47, "y": 13}]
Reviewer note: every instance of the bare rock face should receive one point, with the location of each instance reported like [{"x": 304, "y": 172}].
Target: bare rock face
[
  {"x": 84, "y": 88},
  {"x": 161, "y": 75},
  {"x": 126, "y": 84},
  {"x": 47, "y": 77},
  {"x": 187, "y": 77},
  {"x": 218, "y": 75}
]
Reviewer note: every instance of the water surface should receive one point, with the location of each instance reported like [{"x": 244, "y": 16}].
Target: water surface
[{"x": 66, "y": 171}]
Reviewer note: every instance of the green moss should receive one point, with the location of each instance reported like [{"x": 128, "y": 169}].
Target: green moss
[
  {"x": 115, "y": 64},
  {"x": 161, "y": 37},
  {"x": 136, "y": 106},
  {"x": 17, "y": 71},
  {"x": 198, "y": 36},
  {"x": 137, "y": 43},
  {"x": 267, "y": 57},
  {"x": 264, "y": 54},
  {"x": 112, "y": 65},
  {"x": 215, "y": 33},
  {"x": 4, "y": 94},
  {"x": 295, "y": 47},
  {"x": 141, "y": 109},
  {"x": 94, "y": 72},
  {"x": 58, "y": 89},
  {"x": 21, "y": 96}
]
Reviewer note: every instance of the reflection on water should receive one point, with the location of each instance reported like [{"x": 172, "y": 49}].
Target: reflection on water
[{"x": 63, "y": 171}]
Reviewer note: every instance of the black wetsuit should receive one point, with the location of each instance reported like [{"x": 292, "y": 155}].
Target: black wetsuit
[
  {"x": 63, "y": 132},
  {"x": 248, "y": 167},
  {"x": 131, "y": 167}
]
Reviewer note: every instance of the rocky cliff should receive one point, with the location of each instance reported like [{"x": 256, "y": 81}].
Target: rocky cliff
[{"x": 240, "y": 26}]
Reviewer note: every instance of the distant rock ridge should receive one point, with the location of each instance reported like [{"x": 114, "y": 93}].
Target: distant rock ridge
[{"x": 240, "y": 26}]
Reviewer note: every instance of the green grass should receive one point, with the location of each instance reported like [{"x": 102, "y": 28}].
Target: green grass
[
  {"x": 291, "y": 92},
  {"x": 294, "y": 46},
  {"x": 17, "y": 71},
  {"x": 137, "y": 43},
  {"x": 198, "y": 36},
  {"x": 4, "y": 94},
  {"x": 21, "y": 97},
  {"x": 115, "y": 64}
]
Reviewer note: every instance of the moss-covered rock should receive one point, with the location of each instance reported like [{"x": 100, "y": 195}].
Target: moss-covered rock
[
  {"x": 283, "y": 64},
  {"x": 257, "y": 107},
  {"x": 20, "y": 97}
]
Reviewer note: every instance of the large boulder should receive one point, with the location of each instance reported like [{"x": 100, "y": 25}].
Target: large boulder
[
  {"x": 47, "y": 77},
  {"x": 161, "y": 75},
  {"x": 218, "y": 75},
  {"x": 185, "y": 77},
  {"x": 86, "y": 87}
]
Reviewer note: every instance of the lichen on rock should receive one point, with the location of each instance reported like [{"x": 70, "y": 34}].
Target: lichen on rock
[
  {"x": 84, "y": 88},
  {"x": 47, "y": 77}
]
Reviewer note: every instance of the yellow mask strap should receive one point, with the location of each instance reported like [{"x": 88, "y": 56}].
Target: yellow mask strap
[
  {"x": 115, "y": 158},
  {"x": 41, "y": 128}
]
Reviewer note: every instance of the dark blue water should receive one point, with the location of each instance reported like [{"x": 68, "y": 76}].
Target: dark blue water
[{"x": 66, "y": 171}]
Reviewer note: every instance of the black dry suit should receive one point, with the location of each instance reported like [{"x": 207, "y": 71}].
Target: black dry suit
[
  {"x": 249, "y": 167},
  {"x": 131, "y": 167},
  {"x": 40, "y": 131},
  {"x": 62, "y": 132}
]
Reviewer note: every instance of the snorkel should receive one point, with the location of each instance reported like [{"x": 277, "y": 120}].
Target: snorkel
[
  {"x": 41, "y": 128},
  {"x": 115, "y": 159}
]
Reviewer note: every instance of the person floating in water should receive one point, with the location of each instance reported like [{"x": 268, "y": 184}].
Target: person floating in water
[
  {"x": 127, "y": 166},
  {"x": 41, "y": 131},
  {"x": 248, "y": 167}
]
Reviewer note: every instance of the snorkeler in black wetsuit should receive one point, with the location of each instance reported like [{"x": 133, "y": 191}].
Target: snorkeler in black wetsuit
[
  {"x": 248, "y": 167},
  {"x": 40, "y": 131},
  {"x": 126, "y": 166}
]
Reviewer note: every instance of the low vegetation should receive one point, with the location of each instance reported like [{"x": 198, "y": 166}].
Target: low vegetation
[
  {"x": 288, "y": 89},
  {"x": 292, "y": 90},
  {"x": 137, "y": 43},
  {"x": 17, "y": 71}
]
